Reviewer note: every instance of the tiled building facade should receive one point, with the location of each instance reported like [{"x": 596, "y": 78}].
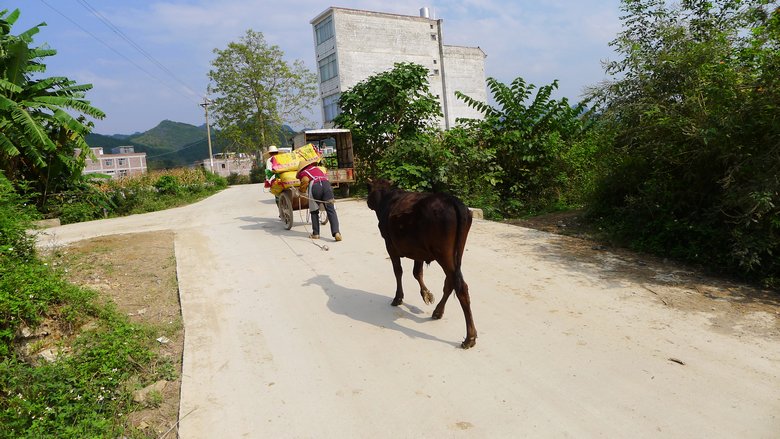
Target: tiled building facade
[
  {"x": 122, "y": 162},
  {"x": 351, "y": 45}
]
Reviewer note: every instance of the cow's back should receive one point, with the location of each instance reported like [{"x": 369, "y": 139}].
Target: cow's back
[{"x": 424, "y": 226}]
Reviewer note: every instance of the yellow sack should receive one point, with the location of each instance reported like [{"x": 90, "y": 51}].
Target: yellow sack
[
  {"x": 289, "y": 179},
  {"x": 284, "y": 162},
  {"x": 307, "y": 154},
  {"x": 276, "y": 187}
]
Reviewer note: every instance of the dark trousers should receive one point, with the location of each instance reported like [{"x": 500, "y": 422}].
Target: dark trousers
[{"x": 322, "y": 191}]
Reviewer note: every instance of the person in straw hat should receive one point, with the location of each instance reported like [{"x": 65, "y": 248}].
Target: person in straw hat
[
  {"x": 269, "y": 173},
  {"x": 270, "y": 152}
]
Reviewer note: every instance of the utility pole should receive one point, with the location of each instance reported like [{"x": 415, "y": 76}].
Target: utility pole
[{"x": 205, "y": 105}]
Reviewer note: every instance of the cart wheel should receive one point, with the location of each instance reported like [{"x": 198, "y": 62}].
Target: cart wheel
[
  {"x": 323, "y": 214},
  {"x": 286, "y": 210}
]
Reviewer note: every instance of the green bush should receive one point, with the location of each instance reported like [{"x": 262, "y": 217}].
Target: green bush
[
  {"x": 16, "y": 217},
  {"x": 256, "y": 174},
  {"x": 168, "y": 185},
  {"x": 234, "y": 179},
  {"x": 82, "y": 394},
  {"x": 695, "y": 152},
  {"x": 83, "y": 202}
]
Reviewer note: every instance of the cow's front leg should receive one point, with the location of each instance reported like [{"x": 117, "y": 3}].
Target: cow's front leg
[
  {"x": 424, "y": 292},
  {"x": 399, "y": 289}
]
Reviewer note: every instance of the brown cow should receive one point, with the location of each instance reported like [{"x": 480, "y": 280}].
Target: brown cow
[{"x": 425, "y": 227}]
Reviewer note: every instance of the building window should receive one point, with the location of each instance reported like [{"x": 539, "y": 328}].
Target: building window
[
  {"x": 223, "y": 166},
  {"x": 433, "y": 37},
  {"x": 108, "y": 162},
  {"x": 328, "y": 68},
  {"x": 331, "y": 106},
  {"x": 324, "y": 30},
  {"x": 123, "y": 172},
  {"x": 434, "y": 61},
  {"x": 435, "y": 72},
  {"x": 121, "y": 162}
]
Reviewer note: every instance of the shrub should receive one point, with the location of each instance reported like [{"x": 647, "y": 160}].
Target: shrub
[
  {"x": 15, "y": 218},
  {"x": 167, "y": 185},
  {"x": 234, "y": 179}
]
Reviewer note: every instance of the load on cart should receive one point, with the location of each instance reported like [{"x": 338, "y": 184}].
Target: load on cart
[
  {"x": 282, "y": 181},
  {"x": 336, "y": 147}
]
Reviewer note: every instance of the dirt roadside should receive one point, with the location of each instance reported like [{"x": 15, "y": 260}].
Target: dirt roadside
[
  {"x": 677, "y": 286},
  {"x": 138, "y": 273}
]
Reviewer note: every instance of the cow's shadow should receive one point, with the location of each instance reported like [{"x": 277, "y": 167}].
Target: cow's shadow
[{"x": 373, "y": 309}]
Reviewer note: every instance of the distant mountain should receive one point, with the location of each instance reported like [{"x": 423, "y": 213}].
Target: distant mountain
[
  {"x": 171, "y": 135},
  {"x": 171, "y": 144}
]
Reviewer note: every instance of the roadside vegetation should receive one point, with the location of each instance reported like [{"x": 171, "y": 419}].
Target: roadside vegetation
[
  {"x": 69, "y": 361},
  {"x": 677, "y": 155},
  {"x": 82, "y": 384},
  {"x": 156, "y": 190}
]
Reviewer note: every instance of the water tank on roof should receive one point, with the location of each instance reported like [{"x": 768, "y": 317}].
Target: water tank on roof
[{"x": 424, "y": 12}]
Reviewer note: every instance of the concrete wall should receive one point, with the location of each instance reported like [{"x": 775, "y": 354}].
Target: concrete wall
[
  {"x": 464, "y": 69},
  {"x": 367, "y": 43},
  {"x": 116, "y": 165},
  {"x": 229, "y": 165}
]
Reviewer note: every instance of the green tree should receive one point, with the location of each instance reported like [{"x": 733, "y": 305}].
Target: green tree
[
  {"x": 387, "y": 109},
  {"x": 529, "y": 139},
  {"x": 257, "y": 92},
  {"x": 696, "y": 152},
  {"x": 38, "y": 137}
]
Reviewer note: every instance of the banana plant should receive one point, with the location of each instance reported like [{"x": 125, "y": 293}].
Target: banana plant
[{"x": 39, "y": 134}]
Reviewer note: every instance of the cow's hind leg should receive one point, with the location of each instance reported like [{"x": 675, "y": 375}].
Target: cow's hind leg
[
  {"x": 399, "y": 290},
  {"x": 448, "y": 287},
  {"x": 465, "y": 303},
  {"x": 424, "y": 292}
]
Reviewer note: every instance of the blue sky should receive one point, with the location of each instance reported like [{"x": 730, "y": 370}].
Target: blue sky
[{"x": 167, "y": 78}]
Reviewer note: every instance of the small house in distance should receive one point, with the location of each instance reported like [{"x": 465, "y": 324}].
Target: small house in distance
[
  {"x": 228, "y": 163},
  {"x": 122, "y": 162}
]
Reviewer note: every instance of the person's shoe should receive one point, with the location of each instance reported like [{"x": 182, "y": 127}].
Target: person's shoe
[
  {"x": 313, "y": 236},
  {"x": 337, "y": 236}
]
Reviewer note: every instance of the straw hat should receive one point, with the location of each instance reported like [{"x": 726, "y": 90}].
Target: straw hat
[{"x": 271, "y": 149}]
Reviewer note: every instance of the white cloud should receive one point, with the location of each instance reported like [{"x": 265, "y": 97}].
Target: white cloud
[{"x": 540, "y": 41}]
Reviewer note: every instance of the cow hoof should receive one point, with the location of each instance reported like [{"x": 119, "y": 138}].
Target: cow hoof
[
  {"x": 468, "y": 343},
  {"x": 427, "y": 297},
  {"x": 436, "y": 315},
  {"x": 397, "y": 302}
]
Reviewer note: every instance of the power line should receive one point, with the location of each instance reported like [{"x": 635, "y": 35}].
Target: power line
[
  {"x": 117, "y": 52},
  {"x": 140, "y": 50}
]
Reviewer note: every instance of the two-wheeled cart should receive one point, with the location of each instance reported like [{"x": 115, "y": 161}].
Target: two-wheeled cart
[{"x": 291, "y": 200}]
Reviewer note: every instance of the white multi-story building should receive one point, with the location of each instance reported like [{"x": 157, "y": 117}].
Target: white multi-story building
[
  {"x": 122, "y": 162},
  {"x": 351, "y": 45}
]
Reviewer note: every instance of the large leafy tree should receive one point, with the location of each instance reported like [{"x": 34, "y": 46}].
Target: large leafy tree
[
  {"x": 38, "y": 137},
  {"x": 528, "y": 138},
  {"x": 257, "y": 91},
  {"x": 696, "y": 156},
  {"x": 388, "y": 110}
]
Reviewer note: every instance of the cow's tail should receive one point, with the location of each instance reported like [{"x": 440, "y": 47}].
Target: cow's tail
[{"x": 463, "y": 221}]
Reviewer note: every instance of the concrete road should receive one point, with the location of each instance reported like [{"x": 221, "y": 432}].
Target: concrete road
[{"x": 285, "y": 339}]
